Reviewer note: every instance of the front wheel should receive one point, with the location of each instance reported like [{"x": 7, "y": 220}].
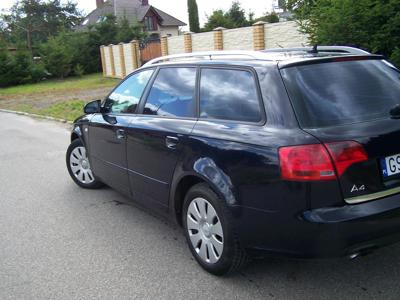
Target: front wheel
[
  {"x": 210, "y": 232},
  {"x": 79, "y": 167}
]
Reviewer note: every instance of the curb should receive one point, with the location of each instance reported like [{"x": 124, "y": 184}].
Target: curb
[{"x": 35, "y": 116}]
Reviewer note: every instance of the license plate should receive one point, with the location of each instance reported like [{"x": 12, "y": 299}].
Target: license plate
[{"x": 390, "y": 165}]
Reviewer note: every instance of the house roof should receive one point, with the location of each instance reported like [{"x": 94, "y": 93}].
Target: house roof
[
  {"x": 140, "y": 13},
  {"x": 168, "y": 20}
]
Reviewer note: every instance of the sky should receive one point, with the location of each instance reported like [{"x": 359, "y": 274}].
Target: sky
[{"x": 178, "y": 8}]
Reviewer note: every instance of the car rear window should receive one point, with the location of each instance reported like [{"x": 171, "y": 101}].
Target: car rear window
[{"x": 342, "y": 92}]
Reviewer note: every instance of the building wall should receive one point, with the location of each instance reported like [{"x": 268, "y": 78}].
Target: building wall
[
  {"x": 202, "y": 41},
  {"x": 276, "y": 35},
  {"x": 176, "y": 44},
  {"x": 284, "y": 34},
  {"x": 238, "y": 39},
  {"x": 260, "y": 36},
  {"x": 168, "y": 30},
  {"x": 107, "y": 61},
  {"x": 117, "y": 61},
  {"x": 128, "y": 58}
]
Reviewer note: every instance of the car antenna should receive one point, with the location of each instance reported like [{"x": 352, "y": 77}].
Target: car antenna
[{"x": 314, "y": 49}]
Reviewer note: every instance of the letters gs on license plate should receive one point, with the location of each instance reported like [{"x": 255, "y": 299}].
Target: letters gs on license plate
[{"x": 390, "y": 165}]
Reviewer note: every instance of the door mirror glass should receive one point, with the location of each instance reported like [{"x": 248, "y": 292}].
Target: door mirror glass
[{"x": 92, "y": 107}]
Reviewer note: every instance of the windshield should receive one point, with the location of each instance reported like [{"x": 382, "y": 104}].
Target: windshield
[{"x": 342, "y": 92}]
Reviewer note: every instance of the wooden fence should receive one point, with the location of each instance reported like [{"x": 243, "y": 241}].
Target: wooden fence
[{"x": 120, "y": 60}]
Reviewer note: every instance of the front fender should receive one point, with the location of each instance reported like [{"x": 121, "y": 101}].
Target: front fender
[{"x": 80, "y": 129}]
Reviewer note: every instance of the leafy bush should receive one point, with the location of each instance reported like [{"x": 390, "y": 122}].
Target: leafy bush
[
  {"x": 79, "y": 70},
  {"x": 18, "y": 68},
  {"x": 369, "y": 24},
  {"x": 6, "y": 68},
  {"x": 395, "y": 58},
  {"x": 57, "y": 55},
  {"x": 37, "y": 72}
]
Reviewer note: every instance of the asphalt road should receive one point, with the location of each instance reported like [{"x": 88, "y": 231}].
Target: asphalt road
[{"x": 58, "y": 241}]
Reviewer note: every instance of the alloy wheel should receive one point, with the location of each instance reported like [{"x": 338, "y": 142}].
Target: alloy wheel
[
  {"x": 205, "y": 230},
  {"x": 80, "y": 165}
]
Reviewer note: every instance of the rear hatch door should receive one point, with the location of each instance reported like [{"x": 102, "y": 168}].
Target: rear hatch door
[{"x": 353, "y": 100}]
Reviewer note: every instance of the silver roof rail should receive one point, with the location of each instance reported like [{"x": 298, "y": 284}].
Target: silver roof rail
[
  {"x": 254, "y": 55},
  {"x": 210, "y": 55},
  {"x": 333, "y": 49}
]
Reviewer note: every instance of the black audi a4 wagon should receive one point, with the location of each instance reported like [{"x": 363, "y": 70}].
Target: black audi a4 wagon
[{"x": 288, "y": 151}]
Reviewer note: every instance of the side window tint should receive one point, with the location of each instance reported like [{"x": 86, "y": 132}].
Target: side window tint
[
  {"x": 125, "y": 98},
  {"x": 229, "y": 95},
  {"x": 172, "y": 93}
]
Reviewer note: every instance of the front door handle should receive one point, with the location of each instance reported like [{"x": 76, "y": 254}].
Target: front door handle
[
  {"x": 171, "y": 142},
  {"x": 120, "y": 133}
]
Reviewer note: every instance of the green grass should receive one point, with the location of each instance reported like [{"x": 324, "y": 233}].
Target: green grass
[
  {"x": 67, "y": 110},
  {"x": 59, "y": 85},
  {"x": 62, "y": 99}
]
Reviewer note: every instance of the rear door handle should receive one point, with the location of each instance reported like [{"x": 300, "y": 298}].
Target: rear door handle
[
  {"x": 120, "y": 133},
  {"x": 171, "y": 142}
]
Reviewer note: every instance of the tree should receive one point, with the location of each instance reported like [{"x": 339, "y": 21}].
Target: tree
[
  {"x": 6, "y": 66},
  {"x": 193, "y": 11},
  {"x": 217, "y": 19},
  {"x": 369, "y": 24},
  {"x": 127, "y": 32},
  {"x": 282, "y": 4},
  {"x": 58, "y": 55},
  {"x": 33, "y": 21},
  {"x": 235, "y": 17},
  {"x": 18, "y": 67},
  {"x": 269, "y": 18}
]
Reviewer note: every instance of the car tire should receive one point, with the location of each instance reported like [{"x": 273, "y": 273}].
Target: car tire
[
  {"x": 208, "y": 223},
  {"x": 79, "y": 167}
]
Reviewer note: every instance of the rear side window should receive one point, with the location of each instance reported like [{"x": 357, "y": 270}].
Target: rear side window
[
  {"x": 172, "y": 93},
  {"x": 125, "y": 98},
  {"x": 339, "y": 93},
  {"x": 229, "y": 95}
]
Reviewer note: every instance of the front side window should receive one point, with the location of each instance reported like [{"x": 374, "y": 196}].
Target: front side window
[
  {"x": 172, "y": 94},
  {"x": 125, "y": 98},
  {"x": 229, "y": 95}
]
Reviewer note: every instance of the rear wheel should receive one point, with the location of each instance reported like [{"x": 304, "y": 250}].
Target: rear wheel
[
  {"x": 210, "y": 232},
  {"x": 79, "y": 167}
]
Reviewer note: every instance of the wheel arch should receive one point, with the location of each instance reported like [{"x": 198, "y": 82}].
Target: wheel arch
[
  {"x": 204, "y": 170},
  {"x": 74, "y": 136},
  {"x": 77, "y": 134},
  {"x": 179, "y": 193}
]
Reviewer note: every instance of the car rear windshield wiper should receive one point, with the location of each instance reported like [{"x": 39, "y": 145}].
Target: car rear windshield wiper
[{"x": 395, "y": 111}]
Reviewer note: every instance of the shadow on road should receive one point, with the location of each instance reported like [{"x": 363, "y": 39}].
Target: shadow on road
[{"x": 374, "y": 275}]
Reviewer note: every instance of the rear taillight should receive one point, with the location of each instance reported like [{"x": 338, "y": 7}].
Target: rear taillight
[
  {"x": 313, "y": 162},
  {"x": 306, "y": 162},
  {"x": 345, "y": 154}
]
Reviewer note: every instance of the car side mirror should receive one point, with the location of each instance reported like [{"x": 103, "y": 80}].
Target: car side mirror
[{"x": 92, "y": 107}]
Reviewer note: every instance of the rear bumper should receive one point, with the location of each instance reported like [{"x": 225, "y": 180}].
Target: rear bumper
[{"x": 322, "y": 232}]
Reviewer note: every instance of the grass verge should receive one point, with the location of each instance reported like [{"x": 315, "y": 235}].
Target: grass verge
[
  {"x": 85, "y": 82},
  {"x": 62, "y": 99},
  {"x": 68, "y": 110}
]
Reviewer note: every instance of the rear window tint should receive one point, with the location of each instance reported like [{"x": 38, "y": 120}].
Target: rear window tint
[
  {"x": 338, "y": 93},
  {"x": 229, "y": 95}
]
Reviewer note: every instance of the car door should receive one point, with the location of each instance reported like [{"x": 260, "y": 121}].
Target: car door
[
  {"x": 107, "y": 131},
  {"x": 157, "y": 135}
]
